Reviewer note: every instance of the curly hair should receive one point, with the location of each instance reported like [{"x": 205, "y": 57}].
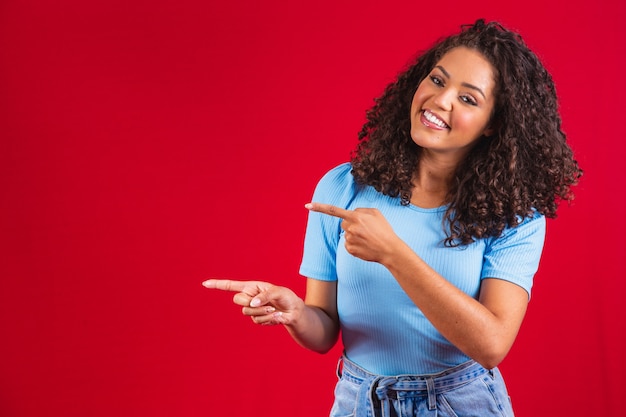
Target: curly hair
[{"x": 525, "y": 165}]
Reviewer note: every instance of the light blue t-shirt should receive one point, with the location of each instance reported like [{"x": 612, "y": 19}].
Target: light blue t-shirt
[{"x": 382, "y": 330}]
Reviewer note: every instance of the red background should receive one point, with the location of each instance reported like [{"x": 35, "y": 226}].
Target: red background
[{"x": 149, "y": 145}]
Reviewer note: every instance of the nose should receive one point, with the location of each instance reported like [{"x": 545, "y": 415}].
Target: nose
[{"x": 444, "y": 99}]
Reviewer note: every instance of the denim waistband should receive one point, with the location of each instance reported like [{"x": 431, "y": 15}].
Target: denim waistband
[{"x": 376, "y": 390}]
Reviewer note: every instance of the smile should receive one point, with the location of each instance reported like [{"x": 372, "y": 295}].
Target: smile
[{"x": 429, "y": 119}]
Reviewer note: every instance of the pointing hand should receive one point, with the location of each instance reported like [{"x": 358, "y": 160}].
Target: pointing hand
[
  {"x": 265, "y": 303},
  {"x": 368, "y": 234}
]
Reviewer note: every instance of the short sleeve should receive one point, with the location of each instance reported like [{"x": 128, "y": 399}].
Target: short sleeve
[
  {"x": 338, "y": 188},
  {"x": 515, "y": 255}
]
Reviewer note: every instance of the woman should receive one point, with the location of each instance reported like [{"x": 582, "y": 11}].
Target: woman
[{"x": 423, "y": 249}]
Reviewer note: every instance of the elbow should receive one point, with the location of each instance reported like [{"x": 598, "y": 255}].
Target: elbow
[
  {"x": 327, "y": 345},
  {"x": 322, "y": 347},
  {"x": 489, "y": 362},
  {"x": 322, "y": 350},
  {"x": 491, "y": 356}
]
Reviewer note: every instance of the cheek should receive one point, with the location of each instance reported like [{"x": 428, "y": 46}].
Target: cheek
[
  {"x": 462, "y": 120},
  {"x": 470, "y": 122},
  {"x": 418, "y": 100}
]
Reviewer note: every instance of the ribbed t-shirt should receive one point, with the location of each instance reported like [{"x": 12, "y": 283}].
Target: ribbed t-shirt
[{"x": 382, "y": 330}]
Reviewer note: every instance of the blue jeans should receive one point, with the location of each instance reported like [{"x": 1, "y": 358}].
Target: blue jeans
[{"x": 465, "y": 390}]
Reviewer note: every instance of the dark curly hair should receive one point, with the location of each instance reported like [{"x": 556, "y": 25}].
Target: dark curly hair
[{"x": 525, "y": 165}]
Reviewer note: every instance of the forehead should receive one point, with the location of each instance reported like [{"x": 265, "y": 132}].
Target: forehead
[{"x": 467, "y": 65}]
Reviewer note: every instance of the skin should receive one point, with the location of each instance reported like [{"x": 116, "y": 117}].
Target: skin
[{"x": 460, "y": 92}]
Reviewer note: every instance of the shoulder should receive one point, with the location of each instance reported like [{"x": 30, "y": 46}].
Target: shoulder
[
  {"x": 339, "y": 175},
  {"x": 528, "y": 225},
  {"x": 530, "y": 230},
  {"x": 336, "y": 185},
  {"x": 337, "y": 181}
]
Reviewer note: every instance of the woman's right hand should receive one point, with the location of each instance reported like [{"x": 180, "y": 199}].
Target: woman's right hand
[{"x": 265, "y": 303}]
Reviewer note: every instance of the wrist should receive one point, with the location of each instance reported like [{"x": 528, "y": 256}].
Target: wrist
[
  {"x": 296, "y": 314},
  {"x": 395, "y": 253}
]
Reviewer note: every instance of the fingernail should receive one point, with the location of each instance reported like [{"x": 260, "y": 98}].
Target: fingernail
[
  {"x": 255, "y": 302},
  {"x": 277, "y": 315},
  {"x": 269, "y": 309},
  {"x": 209, "y": 284},
  {"x": 308, "y": 206}
]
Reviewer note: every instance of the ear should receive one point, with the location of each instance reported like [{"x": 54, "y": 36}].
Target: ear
[{"x": 491, "y": 127}]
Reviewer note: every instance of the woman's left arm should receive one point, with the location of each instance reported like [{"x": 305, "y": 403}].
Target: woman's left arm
[{"x": 483, "y": 329}]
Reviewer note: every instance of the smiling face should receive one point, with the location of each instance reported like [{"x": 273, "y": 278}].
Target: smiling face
[{"x": 452, "y": 106}]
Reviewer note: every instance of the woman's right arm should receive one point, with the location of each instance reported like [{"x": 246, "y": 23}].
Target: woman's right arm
[
  {"x": 313, "y": 323},
  {"x": 317, "y": 328}
]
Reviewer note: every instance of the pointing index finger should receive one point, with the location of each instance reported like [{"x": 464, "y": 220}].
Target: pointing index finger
[
  {"x": 225, "y": 285},
  {"x": 329, "y": 209}
]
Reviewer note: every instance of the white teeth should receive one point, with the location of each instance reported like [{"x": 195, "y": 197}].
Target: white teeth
[{"x": 433, "y": 119}]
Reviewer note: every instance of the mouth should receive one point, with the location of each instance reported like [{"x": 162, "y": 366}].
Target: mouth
[{"x": 430, "y": 119}]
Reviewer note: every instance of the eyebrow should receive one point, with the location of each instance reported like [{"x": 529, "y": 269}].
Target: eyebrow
[{"x": 468, "y": 85}]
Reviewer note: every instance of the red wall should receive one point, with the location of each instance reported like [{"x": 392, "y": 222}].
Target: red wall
[{"x": 146, "y": 146}]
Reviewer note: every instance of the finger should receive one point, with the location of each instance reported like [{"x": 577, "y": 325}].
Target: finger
[
  {"x": 225, "y": 285},
  {"x": 258, "y": 311},
  {"x": 330, "y": 210},
  {"x": 263, "y": 298},
  {"x": 269, "y": 319},
  {"x": 242, "y": 299}
]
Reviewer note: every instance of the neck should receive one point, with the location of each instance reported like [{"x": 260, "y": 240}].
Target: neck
[
  {"x": 431, "y": 182},
  {"x": 435, "y": 173}
]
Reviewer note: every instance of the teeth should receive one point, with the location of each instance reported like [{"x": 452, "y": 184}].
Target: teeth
[{"x": 431, "y": 118}]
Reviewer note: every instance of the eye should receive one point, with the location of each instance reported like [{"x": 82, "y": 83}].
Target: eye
[
  {"x": 469, "y": 100},
  {"x": 436, "y": 80}
]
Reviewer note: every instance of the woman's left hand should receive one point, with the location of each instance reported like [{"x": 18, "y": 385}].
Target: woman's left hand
[{"x": 368, "y": 234}]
